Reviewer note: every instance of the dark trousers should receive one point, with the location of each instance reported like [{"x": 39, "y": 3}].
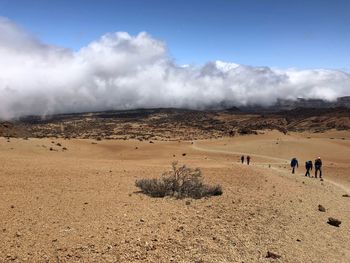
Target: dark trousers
[
  {"x": 318, "y": 169},
  {"x": 307, "y": 172},
  {"x": 293, "y": 169}
]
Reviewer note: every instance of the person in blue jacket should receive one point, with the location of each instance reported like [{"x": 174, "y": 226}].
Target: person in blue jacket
[
  {"x": 308, "y": 167},
  {"x": 293, "y": 164}
]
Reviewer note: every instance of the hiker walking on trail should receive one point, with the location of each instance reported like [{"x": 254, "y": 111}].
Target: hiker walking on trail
[
  {"x": 308, "y": 167},
  {"x": 248, "y": 159},
  {"x": 294, "y": 163},
  {"x": 242, "y": 158},
  {"x": 318, "y": 167}
]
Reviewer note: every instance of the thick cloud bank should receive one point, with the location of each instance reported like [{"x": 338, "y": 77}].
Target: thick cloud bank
[{"x": 119, "y": 71}]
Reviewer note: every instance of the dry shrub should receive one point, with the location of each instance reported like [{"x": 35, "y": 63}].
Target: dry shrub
[{"x": 180, "y": 182}]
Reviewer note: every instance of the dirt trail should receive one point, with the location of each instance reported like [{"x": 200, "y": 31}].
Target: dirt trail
[
  {"x": 195, "y": 146},
  {"x": 282, "y": 162}
]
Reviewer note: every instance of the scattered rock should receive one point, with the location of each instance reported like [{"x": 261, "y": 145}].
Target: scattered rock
[
  {"x": 321, "y": 208},
  {"x": 272, "y": 255},
  {"x": 142, "y": 220},
  {"x": 11, "y": 257},
  {"x": 346, "y": 195},
  {"x": 180, "y": 228},
  {"x": 188, "y": 202},
  {"x": 334, "y": 222},
  {"x": 184, "y": 154},
  {"x": 58, "y": 144}
]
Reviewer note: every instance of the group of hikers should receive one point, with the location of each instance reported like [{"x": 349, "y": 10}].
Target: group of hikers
[
  {"x": 295, "y": 164},
  {"x": 308, "y": 166},
  {"x": 248, "y": 159}
]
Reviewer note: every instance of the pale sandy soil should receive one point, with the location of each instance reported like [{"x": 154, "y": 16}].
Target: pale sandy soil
[{"x": 81, "y": 205}]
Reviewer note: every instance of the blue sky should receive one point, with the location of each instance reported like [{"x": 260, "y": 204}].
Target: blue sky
[{"x": 275, "y": 33}]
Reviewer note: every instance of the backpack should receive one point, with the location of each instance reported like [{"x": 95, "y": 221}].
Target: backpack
[
  {"x": 308, "y": 165},
  {"x": 318, "y": 163}
]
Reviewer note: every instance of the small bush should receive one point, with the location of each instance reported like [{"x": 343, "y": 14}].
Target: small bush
[{"x": 180, "y": 182}]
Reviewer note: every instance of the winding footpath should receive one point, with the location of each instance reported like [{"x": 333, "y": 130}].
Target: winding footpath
[{"x": 281, "y": 161}]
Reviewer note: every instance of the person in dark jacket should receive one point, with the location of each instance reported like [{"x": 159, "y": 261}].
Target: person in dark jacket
[
  {"x": 318, "y": 167},
  {"x": 242, "y": 158},
  {"x": 294, "y": 163},
  {"x": 248, "y": 159},
  {"x": 308, "y": 167}
]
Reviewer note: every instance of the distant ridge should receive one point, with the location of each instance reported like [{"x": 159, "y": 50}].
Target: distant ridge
[
  {"x": 177, "y": 124},
  {"x": 285, "y": 105}
]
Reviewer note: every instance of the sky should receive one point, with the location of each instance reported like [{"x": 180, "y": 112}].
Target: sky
[
  {"x": 274, "y": 33},
  {"x": 80, "y": 56}
]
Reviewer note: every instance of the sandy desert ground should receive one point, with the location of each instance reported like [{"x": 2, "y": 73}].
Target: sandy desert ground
[{"x": 81, "y": 204}]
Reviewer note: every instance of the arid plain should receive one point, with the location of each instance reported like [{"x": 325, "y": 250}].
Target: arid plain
[{"x": 78, "y": 202}]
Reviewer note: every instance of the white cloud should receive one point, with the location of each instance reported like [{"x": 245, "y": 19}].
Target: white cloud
[{"x": 119, "y": 71}]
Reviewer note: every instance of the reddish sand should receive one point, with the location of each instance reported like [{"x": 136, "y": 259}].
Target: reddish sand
[{"x": 81, "y": 204}]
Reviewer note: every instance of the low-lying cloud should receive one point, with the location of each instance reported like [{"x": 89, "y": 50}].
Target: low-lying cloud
[{"x": 119, "y": 71}]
